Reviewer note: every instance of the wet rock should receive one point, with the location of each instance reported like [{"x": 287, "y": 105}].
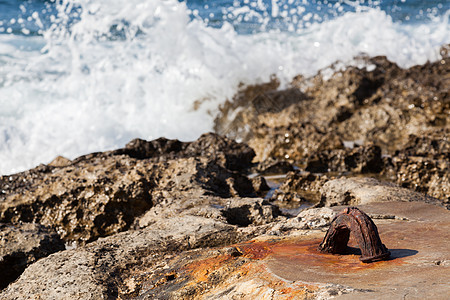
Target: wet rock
[
  {"x": 22, "y": 245},
  {"x": 175, "y": 220},
  {"x": 292, "y": 142},
  {"x": 434, "y": 144},
  {"x": 394, "y": 114},
  {"x": 256, "y": 100},
  {"x": 356, "y": 191},
  {"x": 423, "y": 164},
  {"x": 410, "y": 101}
]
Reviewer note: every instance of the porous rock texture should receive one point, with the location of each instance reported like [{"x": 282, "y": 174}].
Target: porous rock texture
[
  {"x": 101, "y": 194},
  {"x": 100, "y": 269},
  {"x": 23, "y": 244},
  {"x": 200, "y": 258},
  {"x": 207, "y": 219},
  {"x": 373, "y": 119},
  {"x": 363, "y": 190}
]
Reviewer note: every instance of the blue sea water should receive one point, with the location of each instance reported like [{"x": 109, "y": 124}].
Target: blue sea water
[
  {"x": 247, "y": 17},
  {"x": 78, "y": 76}
]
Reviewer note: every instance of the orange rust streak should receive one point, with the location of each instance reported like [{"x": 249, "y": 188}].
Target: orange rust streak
[
  {"x": 255, "y": 251},
  {"x": 201, "y": 269},
  {"x": 305, "y": 253}
]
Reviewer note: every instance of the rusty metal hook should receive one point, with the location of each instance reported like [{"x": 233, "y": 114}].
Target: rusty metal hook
[{"x": 364, "y": 231}]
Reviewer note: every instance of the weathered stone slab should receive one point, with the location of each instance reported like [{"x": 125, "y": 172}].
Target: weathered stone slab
[
  {"x": 97, "y": 270},
  {"x": 363, "y": 190},
  {"x": 292, "y": 267},
  {"x": 417, "y": 236}
]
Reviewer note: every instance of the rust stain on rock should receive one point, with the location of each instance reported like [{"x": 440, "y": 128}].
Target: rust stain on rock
[
  {"x": 301, "y": 253},
  {"x": 255, "y": 260},
  {"x": 200, "y": 271},
  {"x": 255, "y": 250},
  {"x": 243, "y": 265},
  {"x": 294, "y": 268},
  {"x": 305, "y": 254}
]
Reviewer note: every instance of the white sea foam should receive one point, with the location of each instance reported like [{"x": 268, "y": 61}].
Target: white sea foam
[{"x": 135, "y": 68}]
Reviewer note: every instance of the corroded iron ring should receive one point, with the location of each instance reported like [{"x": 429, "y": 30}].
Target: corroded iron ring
[{"x": 354, "y": 221}]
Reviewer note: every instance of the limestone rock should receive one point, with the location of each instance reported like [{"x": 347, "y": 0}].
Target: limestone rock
[
  {"x": 380, "y": 104},
  {"x": 196, "y": 258},
  {"x": 226, "y": 153},
  {"x": 23, "y": 244},
  {"x": 235, "y": 211},
  {"x": 291, "y": 266},
  {"x": 356, "y": 191},
  {"x": 313, "y": 218},
  {"x": 95, "y": 271},
  {"x": 60, "y": 161},
  {"x": 100, "y": 194},
  {"x": 274, "y": 167},
  {"x": 248, "y": 211},
  {"x": 168, "y": 219},
  {"x": 363, "y": 159},
  {"x": 422, "y": 174},
  {"x": 423, "y": 164},
  {"x": 260, "y": 185},
  {"x": 300, "y": 185}
]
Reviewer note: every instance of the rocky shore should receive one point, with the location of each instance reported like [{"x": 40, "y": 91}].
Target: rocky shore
[{"x": 238, "y": 214}]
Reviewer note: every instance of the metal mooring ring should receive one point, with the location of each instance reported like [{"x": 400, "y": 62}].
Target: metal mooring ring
[{"x": 352, "y": 220}]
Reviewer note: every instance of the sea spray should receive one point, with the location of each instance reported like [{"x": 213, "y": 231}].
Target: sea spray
[{"x": 93, "y": 75}]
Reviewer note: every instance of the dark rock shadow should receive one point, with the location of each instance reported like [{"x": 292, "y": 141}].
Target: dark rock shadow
[
  {"x": 400, "y": 253},
  {"x": 395, "y": 253}
]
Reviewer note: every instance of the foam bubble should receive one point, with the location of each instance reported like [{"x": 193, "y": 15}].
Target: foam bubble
[{"x": 125, "y": 69}]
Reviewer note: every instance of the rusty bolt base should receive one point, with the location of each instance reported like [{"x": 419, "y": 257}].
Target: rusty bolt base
[{"x": 352, "y": 220}]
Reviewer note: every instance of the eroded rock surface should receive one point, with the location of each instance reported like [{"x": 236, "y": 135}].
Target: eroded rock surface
[
  {"x": 357, "y": 191},
  {"x": 103, "y": 269},
  {"x": 423, "y": 164},
  {"x": 291, "y": 266},
  {"x": 102, "y": 193},
  {"x": 301, "y": 186},
  {"x": 217, "y": 219},
  {"x": 23, "y": 244},
  {"x": 374, "y": 119},
  {"x": 196, "y": 257}
]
